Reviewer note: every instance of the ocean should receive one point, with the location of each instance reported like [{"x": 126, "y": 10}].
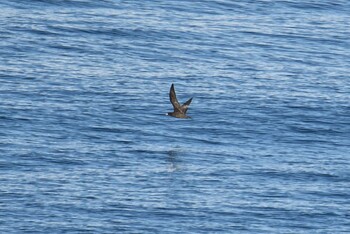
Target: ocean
[{"x": 86, "y": 145}]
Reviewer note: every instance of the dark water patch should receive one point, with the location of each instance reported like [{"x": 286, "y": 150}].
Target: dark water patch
[
  {"x": 61, "y": 3},
  {"x": 317, "y": 5}
]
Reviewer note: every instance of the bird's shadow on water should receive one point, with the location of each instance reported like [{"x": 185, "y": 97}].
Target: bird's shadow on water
[{"x": 173, "y": 160}]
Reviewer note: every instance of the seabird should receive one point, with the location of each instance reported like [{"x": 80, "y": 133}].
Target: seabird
[{"x": 179, "y": 110}]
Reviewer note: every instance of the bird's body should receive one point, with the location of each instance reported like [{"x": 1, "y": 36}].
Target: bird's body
[{"x": 179, "y": 110}]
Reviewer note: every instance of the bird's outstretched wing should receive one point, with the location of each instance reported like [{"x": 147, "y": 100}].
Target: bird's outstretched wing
[{"x": 173, "y": 99}]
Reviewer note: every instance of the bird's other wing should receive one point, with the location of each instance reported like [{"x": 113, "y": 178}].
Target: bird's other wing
[{"x": 186, "y": 105}]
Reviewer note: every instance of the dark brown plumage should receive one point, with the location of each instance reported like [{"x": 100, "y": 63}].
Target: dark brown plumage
[{"x": 179, "y": 110}]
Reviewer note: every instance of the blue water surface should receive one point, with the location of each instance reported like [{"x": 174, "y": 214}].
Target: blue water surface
[{"x": 86, "y": 147}]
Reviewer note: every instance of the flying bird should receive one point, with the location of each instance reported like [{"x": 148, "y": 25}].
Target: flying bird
[{"x": 179, "y": 110}]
